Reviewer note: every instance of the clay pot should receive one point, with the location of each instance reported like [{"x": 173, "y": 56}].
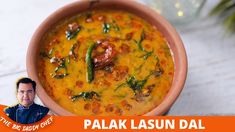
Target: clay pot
[{"x": 175, "y": 44}]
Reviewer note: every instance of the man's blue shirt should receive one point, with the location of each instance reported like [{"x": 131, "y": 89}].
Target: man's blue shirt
[{"x": 23, "y": 115}]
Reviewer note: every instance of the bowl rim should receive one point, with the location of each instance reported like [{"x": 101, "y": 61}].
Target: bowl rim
[{"x": 163, "y": 26}]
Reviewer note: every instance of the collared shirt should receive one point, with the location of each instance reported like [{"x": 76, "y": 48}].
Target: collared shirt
[{"x": 26, "y": 115}]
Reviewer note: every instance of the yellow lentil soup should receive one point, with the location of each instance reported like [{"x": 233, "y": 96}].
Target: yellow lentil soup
[{"x": 105, "y": 62}]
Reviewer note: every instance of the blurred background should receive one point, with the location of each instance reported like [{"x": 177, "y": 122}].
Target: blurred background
[{"x": 210, "y": 84}]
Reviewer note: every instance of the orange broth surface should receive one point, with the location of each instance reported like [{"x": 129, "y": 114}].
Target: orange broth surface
[{"x": 128, "y": 71}]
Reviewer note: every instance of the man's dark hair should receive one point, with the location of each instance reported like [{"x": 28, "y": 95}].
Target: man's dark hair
[{"x": 25, "y": 80}]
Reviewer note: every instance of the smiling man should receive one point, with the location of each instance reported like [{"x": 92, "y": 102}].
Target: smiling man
[{"x": 26, "y": 112}]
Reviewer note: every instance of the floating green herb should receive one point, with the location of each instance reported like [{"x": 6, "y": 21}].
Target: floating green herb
[
  {"x": 90, "y": 64},
  {"x": 158, "y": 71},
  {"x": 156, "y": 58},
  {"x": 134, "y": 84},
  {"x": 59, "y": 76},
  {"x": 70, "y": 35},
  {"x": 147, "y": 54},
  {"x": 120, "y": 85},
  {"x": 86, "y": 96},
  {"x": 61, "y": 66},
  {"x": 115, "y": 26},
  {"x": 72, "y": 31},
  {"x": 139, "y": 43},
  {"x": 137, "y": 85},
  {"x": 72, "y": 51},
  {"x": 106, "y": 27}
]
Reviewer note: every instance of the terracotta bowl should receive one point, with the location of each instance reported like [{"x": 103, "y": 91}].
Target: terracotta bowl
[{"x": 175, "y": 43}]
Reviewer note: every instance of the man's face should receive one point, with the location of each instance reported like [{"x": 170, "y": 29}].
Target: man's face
[{"x": 25, "y": 94}]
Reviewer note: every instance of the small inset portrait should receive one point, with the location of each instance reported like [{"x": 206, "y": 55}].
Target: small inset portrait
[{"x": 26, "y": 111}]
